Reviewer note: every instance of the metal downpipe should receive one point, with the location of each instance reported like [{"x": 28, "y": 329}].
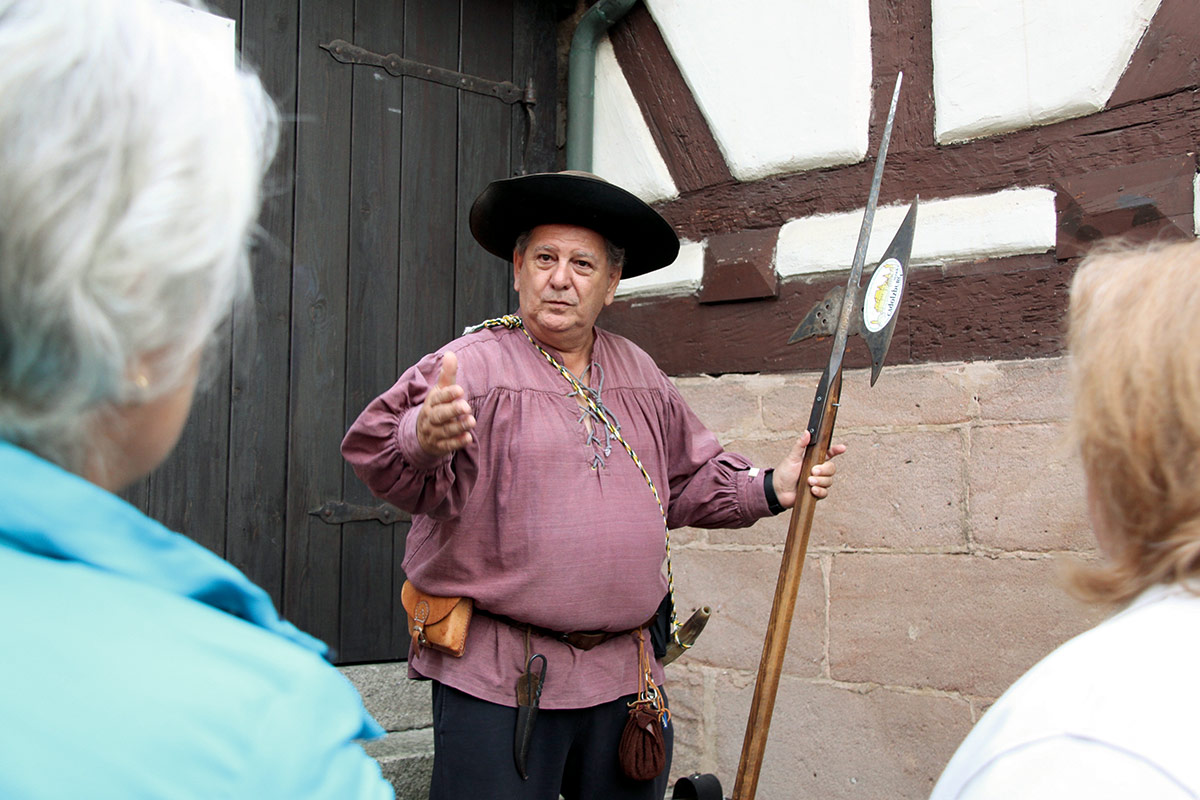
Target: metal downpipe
[{"x": 581, "y": 78}]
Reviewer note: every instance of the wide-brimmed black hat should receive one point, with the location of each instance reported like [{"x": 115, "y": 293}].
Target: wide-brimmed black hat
[{"x": 507, "y": 208}]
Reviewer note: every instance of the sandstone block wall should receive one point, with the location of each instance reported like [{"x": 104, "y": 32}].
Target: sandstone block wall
[{"x": 933, "y": 577}]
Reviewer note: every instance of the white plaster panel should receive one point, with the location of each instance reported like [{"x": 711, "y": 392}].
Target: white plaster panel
[
  {"x": 1004, "y": 65},
  {"x": 623, "y": 151},
  {"x": 681, "y": 277},
  {"x": 784, "y": 84},
  {"x": 1012, "y": 222},
  {"x": 1196, "y": 205}
]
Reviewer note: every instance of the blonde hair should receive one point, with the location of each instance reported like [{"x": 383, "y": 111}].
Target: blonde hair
[
  {"x": 1133, "y": 324},
  {"x": 132, "y": 149}
]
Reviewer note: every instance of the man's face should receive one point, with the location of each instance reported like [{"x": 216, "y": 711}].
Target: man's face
[{"x": 564, "y": 280}]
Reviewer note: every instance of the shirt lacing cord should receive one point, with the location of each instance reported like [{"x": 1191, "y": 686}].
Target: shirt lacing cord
[{"x": 598, "y": 412}]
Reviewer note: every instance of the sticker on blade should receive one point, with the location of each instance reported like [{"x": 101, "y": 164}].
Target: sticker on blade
[{"x": 883, "y": 295}]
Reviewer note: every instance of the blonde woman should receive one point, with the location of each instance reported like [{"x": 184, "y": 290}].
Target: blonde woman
[
  {"x": 134, "y": 663},
  {"x": 1110, "y": 713}
]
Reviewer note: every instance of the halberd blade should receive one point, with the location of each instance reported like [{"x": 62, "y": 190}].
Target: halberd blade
[
  {"x": 885, "y": 290},
  {"x": 822, "y": 318}
]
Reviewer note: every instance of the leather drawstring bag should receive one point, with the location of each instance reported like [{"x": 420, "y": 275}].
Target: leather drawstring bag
[{"x": 642, "y": 750}]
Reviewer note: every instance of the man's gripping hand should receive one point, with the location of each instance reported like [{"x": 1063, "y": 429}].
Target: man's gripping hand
[
  {"x": 445, "y": 421},
  {"x": 787, "y": 474}
]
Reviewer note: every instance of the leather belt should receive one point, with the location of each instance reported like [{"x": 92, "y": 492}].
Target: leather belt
[{"x": 581, "y": 640}]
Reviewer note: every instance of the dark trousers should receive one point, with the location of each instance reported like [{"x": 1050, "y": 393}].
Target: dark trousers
[{"x": 573, "y": 752}]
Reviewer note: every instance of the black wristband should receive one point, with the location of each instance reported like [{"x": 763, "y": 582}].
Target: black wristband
[{"x": 769, "y": 490}]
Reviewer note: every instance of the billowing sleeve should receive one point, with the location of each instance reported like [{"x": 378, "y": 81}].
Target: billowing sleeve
[
  {"x": 710, "y": 487},
  {"x": 382, "y": 448}
]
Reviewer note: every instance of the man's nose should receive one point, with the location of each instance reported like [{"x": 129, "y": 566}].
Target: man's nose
[{"x": 560, "y": 276}]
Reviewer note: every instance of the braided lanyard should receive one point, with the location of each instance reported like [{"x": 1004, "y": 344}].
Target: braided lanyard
[{"x": 514, "y": 321}]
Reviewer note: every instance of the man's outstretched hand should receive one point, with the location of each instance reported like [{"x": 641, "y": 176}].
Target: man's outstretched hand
[{"x": 445, "y": 421}]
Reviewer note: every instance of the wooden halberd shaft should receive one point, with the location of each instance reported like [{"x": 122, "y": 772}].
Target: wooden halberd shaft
[{"x": 778, "y": 627}]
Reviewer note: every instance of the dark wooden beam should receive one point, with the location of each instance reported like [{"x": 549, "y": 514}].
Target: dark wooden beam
[
  {"x": 1147, "y": 201},
  {"x": 902, "y": 41},
  {"x": 675, "y": 121},
  {"x": 1165, "y": 60},
  {"x": 1158, "y": 128},
  {"x": 740, "y": 266},
  {"x": 1007, "y": 308}
]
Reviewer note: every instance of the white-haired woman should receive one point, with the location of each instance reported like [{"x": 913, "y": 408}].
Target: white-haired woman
[
  {"x": 1110, "y": 714},
  {"x": 133, "y": 662}
]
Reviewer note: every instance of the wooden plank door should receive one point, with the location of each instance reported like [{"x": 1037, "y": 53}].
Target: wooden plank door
[{"x": 366, "y": 263}]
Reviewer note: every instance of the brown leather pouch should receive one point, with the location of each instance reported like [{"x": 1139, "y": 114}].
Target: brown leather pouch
[
  {"x": 642, "y": 748},
  {"x": 437, "y": 622},
  {"x": 642, "y": 751}
]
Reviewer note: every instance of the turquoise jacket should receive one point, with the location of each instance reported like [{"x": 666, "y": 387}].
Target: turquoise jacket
[{"x": 136, "y": 664}]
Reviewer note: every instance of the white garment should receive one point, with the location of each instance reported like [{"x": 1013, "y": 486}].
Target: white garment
[{"x": 1113, "y": 713}]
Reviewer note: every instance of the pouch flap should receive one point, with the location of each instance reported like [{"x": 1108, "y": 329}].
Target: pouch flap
[{"x": 428, "y": 608}]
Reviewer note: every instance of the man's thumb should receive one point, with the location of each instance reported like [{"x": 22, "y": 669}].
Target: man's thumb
[{"x": 448, "y": 374}]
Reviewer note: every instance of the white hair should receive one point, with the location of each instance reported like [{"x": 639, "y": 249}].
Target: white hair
[{"x": 131, "y": 159}]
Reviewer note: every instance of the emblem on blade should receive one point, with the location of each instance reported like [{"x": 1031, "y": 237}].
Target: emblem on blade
[{"x": 883, "y": 295}]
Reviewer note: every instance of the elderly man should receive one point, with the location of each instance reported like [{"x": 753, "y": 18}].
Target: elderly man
[{"x": 540, "y": 456}]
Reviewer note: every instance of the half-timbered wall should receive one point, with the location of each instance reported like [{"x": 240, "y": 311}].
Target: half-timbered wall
[
  {"x": 1029, "y": 128},
  {"x": 1026, "y": 136}
]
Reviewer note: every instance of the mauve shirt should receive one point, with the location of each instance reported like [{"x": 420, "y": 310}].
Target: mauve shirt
[{"x": 523, "y": 521}]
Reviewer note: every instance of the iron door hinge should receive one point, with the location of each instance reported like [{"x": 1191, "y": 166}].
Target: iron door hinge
[
  {"x": 504, "y": 91},
  {"x": 336, "y": 512}
]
